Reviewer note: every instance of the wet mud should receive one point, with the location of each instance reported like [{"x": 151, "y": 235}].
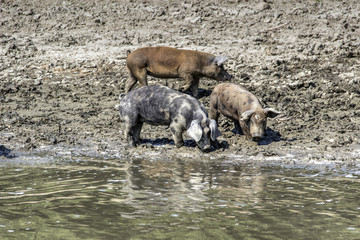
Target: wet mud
[{"x": 62, "y": 67}]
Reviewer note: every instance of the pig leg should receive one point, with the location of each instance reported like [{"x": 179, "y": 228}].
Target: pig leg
[
  {"x": 136, "y": 75},
  {"x": 130, "y": 82},
  {"x": 136, "y": 132},
  {"x": 177, "y": 135},
  {"x": 237, "y": 127},
  {"x": 189, "y": 79},
  {"x": 245, "y": 129},
  {"x": 128, "y": 134},
  {"x": 214, "y": 112},
  {"x": 194, "y": 87},
  {"x": 132, "y": 128}
]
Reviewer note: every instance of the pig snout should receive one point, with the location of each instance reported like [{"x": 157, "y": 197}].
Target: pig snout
[
  {"x": 204, "y": 144},
  {"x": 257, "y": 137},
  {"x": 258, "y": 134},
  {"x": 228, "y": 77},
  {"x": 225, "y": 76},
  {"x": 206, "y": 148}
]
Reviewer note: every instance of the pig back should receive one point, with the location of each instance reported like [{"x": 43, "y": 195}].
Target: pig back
[
  {"x": 233, "y": 100},
  {"x": 168, "y": 62},
  {"x": 160, "y": 105}
]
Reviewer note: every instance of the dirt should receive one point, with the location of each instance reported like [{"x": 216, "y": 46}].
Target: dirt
[{"x": 62, "y": 67}]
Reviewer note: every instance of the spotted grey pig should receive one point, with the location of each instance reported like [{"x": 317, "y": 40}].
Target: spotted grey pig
[
  {"x": 241, "y": 106},
  {"x": 167, "y": 62},
  {"x": 160, "y": 105}
]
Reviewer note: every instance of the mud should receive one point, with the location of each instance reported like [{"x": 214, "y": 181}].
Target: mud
[{"x": 62, "y": 67}]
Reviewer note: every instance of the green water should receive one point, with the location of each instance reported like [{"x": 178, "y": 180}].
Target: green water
[{"x": 95, "y": 198}]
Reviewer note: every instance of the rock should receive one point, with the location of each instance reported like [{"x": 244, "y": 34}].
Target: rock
[{"x": 262, "y": 6}]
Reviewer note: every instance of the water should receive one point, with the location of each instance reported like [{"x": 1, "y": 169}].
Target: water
[{"x": 97, "y": 198}]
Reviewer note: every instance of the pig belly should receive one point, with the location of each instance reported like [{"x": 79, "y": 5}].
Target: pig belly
[
  {"x": 155, "y": 122},
  {"x": 155, "y": 117},
  {"x": 162, "y": 72}
]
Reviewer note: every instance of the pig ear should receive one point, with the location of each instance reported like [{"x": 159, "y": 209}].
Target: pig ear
[
  {"x": 245, "y": 116},
  {"x": 214, "y": 129},
  {"x": 271, "y": 113},
  {"x": 218, "y": 60},
  {"x": 195, "y": 131}
]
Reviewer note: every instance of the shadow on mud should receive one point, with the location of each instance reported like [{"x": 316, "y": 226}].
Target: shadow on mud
[
  {"x": 269, "y": 137},
  {"x": 191, "y": 144},
  {"x": 272, "y": 136},
  {"x": 204, "y": 93},
  {"x": 6, "y": 152},
  {"x": 201, "y": 93},
  {"x": 156, "y": 142}
]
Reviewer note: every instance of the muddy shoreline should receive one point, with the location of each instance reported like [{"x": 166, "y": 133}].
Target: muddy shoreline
[{"x": 62, "y": 67}]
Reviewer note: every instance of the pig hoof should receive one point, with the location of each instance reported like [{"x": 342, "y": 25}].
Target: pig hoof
[
  {"x": 249, "y": 138},
  {"x": 206, "y": 149},
  {"x": 132, "y": 144}
]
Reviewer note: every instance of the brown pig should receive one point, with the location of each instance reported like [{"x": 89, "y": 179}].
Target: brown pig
[
  {"x": 167, "y": 62},
  {"x": 241, "y": 106}
]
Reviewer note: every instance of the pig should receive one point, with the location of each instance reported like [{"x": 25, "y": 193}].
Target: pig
[
  {"x": 167, "y": 62},
  {"x": 241, "y": 106},
  {"x": 160, "y": 105}
]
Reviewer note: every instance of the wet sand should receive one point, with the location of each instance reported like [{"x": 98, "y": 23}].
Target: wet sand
[{"x": 62, "y": 67}]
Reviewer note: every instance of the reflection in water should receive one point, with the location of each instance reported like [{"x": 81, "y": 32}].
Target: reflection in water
[{"x": 87, "y": 198}]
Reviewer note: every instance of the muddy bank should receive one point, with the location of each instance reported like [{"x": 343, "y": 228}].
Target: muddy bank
[{"x": 62, "y": 67}]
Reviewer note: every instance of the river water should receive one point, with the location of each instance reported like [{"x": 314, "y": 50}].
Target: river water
[{"x": 77, "y": 197}]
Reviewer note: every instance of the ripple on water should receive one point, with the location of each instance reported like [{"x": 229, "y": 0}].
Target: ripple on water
[{"x": 89, "y": 194}]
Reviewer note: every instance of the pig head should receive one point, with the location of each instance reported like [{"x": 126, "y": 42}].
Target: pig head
[
  {"x": 253, "y": 122},
  {"x": 167, "y": 62},
  {"x": 160, "y": 105},
  {"x": 241, "y": 106}
]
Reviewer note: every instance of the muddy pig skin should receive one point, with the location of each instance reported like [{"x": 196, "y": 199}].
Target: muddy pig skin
[
  {"x": 241, "y": 106},
  {"x": 160, "y": 105},
  {"x": 167, "y": 62}
]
